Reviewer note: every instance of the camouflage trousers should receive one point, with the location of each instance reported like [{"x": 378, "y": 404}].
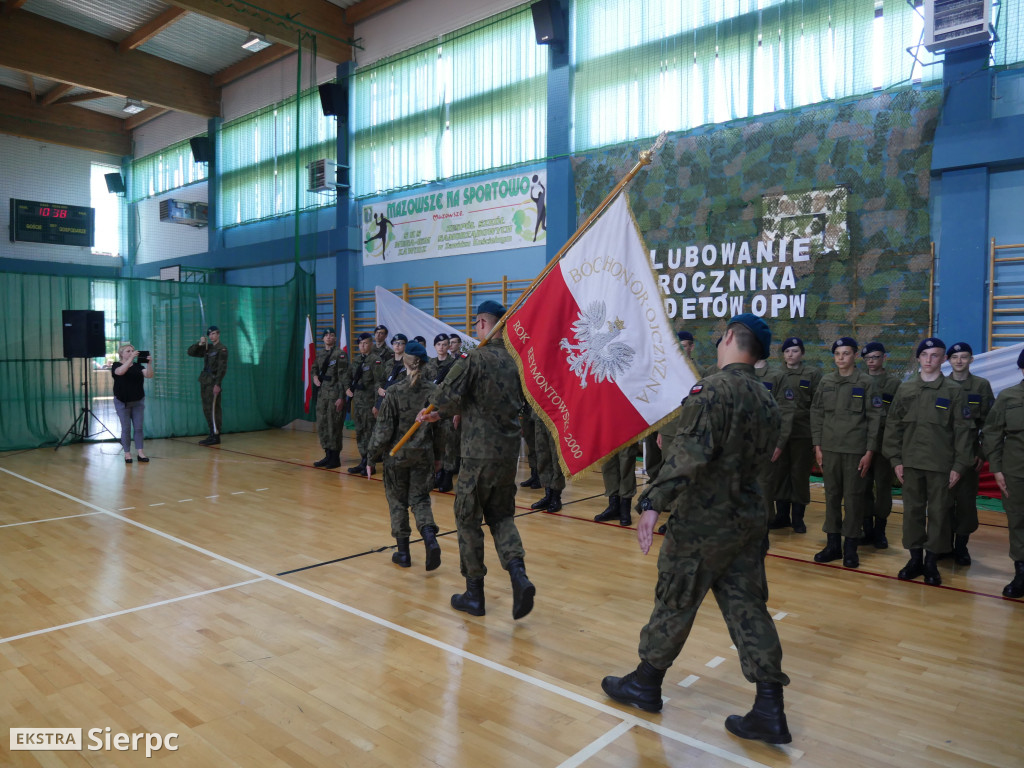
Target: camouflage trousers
[
  {"x": 926, "y": 509},
  {"x": 844, "y": 488},
  {"x": 793, "y": 471},
  {"x": 405, "y": 486},
  {"x": 721, "y": 552},
  {"x": 619, "y": 473},
  {"x": 529, "y": 427},
  {"x": 486, "y": 493},
  {"x": 452, "y": 446},
  {"x": 362, "y": 415},
  {"x": 964, "y": 520},
  {"x": 211, "y": 406},
  {"x": 1013, "y": 503},
  {"x": 548, "y": 469},
  {"x": 878, "y": 493},
  {"x": 330, "y": 422}
]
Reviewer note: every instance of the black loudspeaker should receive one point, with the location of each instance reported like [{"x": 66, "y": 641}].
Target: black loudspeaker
[
  {"x": 549, "y": 22},
  {"x": 202, "y": 150},
  {"x": 334, "y": 99},
  {"x": 83, "y": 333},
  {"x": 115, "y": 184}
]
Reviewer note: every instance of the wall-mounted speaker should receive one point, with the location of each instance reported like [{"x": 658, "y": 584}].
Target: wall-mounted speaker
[
  {"x": 202, "y": 149},
  {"x": 549, "y": 22},
  {"x": 83, "y": 333},
  {"x": 115, "y": 183},
  {"x": 334, "y": 99}
]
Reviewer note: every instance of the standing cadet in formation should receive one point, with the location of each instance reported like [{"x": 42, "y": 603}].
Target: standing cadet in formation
[
  {"x": 1004, "y": 446},
  {"x": 364, "y": 376},
  {"x": 394, "y": 368},
  {"x": 795, "y": 452},
  {"x": 846, "y": 419},
  {"x": 408, "y": 475},
  {"x": 928, "y": 442},
  {"x": 329, "y": 371},
  {"x": 529, "y": 427},
  {"x": 548, "y": 469},
  {"x": 878, "y": 494},
  {"x": 619, "y": 476},
  {"x": 437, "y": 372},
  {"x": 980, "y": 397},
  {"x": 215, "y": 366},
  {"x": 483, "y": 388},
  {"x": 771, "y": 378},
  {"x": 380, "y": 343},
  {"x": 727, "y": 428}
]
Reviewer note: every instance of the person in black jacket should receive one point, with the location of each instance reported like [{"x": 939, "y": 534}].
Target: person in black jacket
[{"x": 129, "y": 398}]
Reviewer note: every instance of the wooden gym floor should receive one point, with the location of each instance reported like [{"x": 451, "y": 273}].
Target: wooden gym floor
[{"x": 246, "y": 601}]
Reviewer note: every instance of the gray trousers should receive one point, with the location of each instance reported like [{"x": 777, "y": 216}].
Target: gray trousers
[{"x": 130, "y": 415}]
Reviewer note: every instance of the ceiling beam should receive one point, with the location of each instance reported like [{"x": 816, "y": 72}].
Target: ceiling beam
[
  {"x": 12, "y": 5},
  {"x": 31, "y": 86},
  {"x": 250, "y": 64},
  {"x": 87, "y": 96},
  {"x": 134, "y": 121},
  {"x": 285, "y": 21},
  {"x": 367, "y": 8},
  {"x": 55, "y": 93},
  {"x": 45, "y": 48},
  {"x": 63, "y": 124},
  {"x": 150, "y": 29}
]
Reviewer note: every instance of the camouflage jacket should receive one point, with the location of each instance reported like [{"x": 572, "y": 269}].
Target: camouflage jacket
[
  {"x": 438, "y": 370},
  {"x": 483, "y": 386},
  {"x": 332, "y": 371},
  {"x": 1004, "y": 432},
  {"x": 929, "y": 427},
  {"x": 365, "y": 373},
  {"x": 396, "y": 414},
  {"x": 727, "y": 430},
  {"x": 846, "y": 413},
  {"x": 215, "y": 360}
]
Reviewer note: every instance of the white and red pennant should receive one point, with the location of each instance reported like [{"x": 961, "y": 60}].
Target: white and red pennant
[{"x": 597, "y": 353}]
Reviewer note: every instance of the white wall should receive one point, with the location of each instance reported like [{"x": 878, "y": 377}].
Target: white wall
[
  {"x": 46, "y": 173},
  {"x": 160, "y": 240},
  {"x": 272, "y": 84},
  {"x": 166, "y": 130}
]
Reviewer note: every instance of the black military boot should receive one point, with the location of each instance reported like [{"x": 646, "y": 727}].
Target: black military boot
[
  {"x": 913, "y": 568},
  {"x": 850, "y": 559},
  {"x": 611, "y": 511},
  {"x": 401, "y": 555},
  {"x": 545, "y": 502},
  {"x": 359, "y": 468},
  {"x": 960, "y": 554},
  {"x": 429, "y": 534},
  {"x": 523, "y": 591},
  {"x": 931, "y": 570},
  {"x": 333, "y": 460},
  {"x": 446, "y": 481},
  {"x": 533, "y": 481},
  {"x": 625, "y": 518},
  {"x": 472, "y": 600},
  {"x": 869, "y": 530},
  {"x": 1015, "y": 588},
  {"x": 781, "y": 519},
  {"x": 766, "y": 721},
  {"x": 556, "y": 501},
  {"x": 210, "y": 439},
  {"x": 437, "y": 478},
  {"x": 798, "y": 518},
  {"x": 324, "y": 460},
  {"x": 641, "y": 688},
  {"x": 833, "y": 549},
  {"x": 880, "y": 541}
]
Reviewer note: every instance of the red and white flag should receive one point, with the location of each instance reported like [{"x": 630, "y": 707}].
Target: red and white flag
[
  {"x": 598, "y": 355},
  {"x": 308, "y": 358},
  {"x": 343, "y": 337}
]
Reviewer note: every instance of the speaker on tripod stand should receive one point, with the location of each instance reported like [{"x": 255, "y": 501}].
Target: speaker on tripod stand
[{"x": 84, "y": 339}]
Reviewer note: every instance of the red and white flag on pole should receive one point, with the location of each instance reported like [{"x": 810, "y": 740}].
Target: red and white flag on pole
[
  {"x": 343, "y": 337},
  {"x": 598, "y": 356},
  {"x": 308, "y": 358}
]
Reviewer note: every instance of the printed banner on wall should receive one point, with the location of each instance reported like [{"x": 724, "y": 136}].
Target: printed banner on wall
[{"x": 494, "y": 215}]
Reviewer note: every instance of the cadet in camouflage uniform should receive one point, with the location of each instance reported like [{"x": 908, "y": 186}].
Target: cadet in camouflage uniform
[
  {"x": 619, "y": 476},
  {"x": 728, "y": 426},
  {"x": 329, "y": 374},
  {"x": 529, "y": 427},
  {"x": 215, "y": 365},
  {"x": 771, "y": 377},
  {"x": 1004, "y": 446},
  {"x": 878, "y": 495},
  {"x": 364, "y": 376},
  {"x": 965, "y": 493},
  {"x": 380, "y": 344},
  {"x": 928, "y": 441},
  {"x": 408, "y": 475},
  {"x": 846, "y": 421},
  {"x": 437, "y": 370},
  {"x": 483, "y": 388},
  {"x": 796, "y": 451},
  {"x": 548, "y": 469}
]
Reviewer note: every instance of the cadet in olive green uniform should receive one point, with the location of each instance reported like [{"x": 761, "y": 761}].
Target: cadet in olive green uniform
[
  {"x": 408, "y": 475},
  {"x": 215, "y": 366},
  {"x": 1004, "y": 445},
  {"x": 796, "y": 451},
  {"x": 928, "y": 441},
  {"x": 771, "y": 377},
  {"x": 483, "y": 388},
  {"x": 965, "y": 493},
  {"x": 728, "y": 427},
  {"x": 846, "y": 419},
  {"x": 365, "y": 373},
  {"x": 437, "y": 371},
  {"x": 878, "y": 494},
  {"x": 619, "y": 476},
  {"x": 329, "y": 375},
  {"x": 529, "y": 427},
  {"x": 548, "y": 469}
]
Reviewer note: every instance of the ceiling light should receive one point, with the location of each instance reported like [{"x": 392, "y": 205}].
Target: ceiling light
[
  {"x": 255, "y": 42},
  {"x": 133, "y": 107}
]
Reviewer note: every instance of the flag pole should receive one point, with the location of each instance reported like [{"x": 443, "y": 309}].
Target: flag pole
[{"x": 646, "y": 157}]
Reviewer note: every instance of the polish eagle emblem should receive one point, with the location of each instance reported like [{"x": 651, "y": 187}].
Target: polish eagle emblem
[{"x": 597, "y": 354}]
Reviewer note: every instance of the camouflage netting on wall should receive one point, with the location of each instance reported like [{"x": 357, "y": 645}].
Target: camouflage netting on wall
[{"x": 816, "y": 219}]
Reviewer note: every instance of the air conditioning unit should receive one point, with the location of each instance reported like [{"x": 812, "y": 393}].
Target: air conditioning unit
[
  {"x": 323, "y": 176},
  {"x": 180, "y": 212},
  {"x": 950, "y": 24}
]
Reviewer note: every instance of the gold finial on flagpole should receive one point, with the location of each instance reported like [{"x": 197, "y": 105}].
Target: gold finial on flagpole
[{"x": 647, "y": 156}]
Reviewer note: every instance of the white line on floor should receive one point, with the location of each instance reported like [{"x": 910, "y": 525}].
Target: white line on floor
[
  {"x": 596, "y": 746},
  {"x": 49, "y": 519},
  {"x": 689, "y": 680},
  {"x": 715, "y": 662}
]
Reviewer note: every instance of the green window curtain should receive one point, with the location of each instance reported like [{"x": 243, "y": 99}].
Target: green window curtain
[
  {"x": 1009, "y": 24},
  {"x": 902, "y": 28},
  {"x": 163, "y": 171}
]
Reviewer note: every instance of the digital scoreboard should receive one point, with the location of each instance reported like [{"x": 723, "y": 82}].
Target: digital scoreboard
[{"x": 33, "y": 222}]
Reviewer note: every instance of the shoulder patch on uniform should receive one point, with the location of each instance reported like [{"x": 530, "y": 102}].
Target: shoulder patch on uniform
[
  {"x": 942, "y": 403},
  {"x": 696, "y": 389},
  {"x": 805, "y": 383},
  {"x": 876, "y": 401},
  {"x": 887, "y": 398},
  {"x": 768, "y": 385},
  {"x": 789, "y": 394},
  {"x": 858, "y": 392},
  {"x": 967, "y": 412},
  {"x": 463, "y": 355},
  {"x": 974, "y": 399}
]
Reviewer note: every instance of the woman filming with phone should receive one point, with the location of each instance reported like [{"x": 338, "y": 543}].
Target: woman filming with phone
[{"x": 129, "y": 396}]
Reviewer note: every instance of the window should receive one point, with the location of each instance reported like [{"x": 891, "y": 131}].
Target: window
[
  {"x": 162, "y": 171},
  {"x": 108, "y": 211}
]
